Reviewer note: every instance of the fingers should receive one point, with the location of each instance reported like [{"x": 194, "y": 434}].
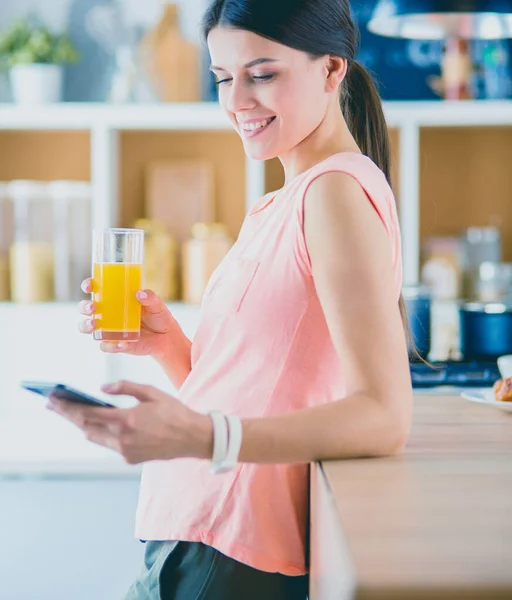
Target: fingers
[
  {"x": 143, "y": 393},
  {"x": 87, "y": 286},
  {"x": 116, "y": 347},
  {"x": 87, "y": 326},
  {"x": 81, "y": 414},
  {"x": 86, "y": 307},
  {"x": 152, "y": 303}
]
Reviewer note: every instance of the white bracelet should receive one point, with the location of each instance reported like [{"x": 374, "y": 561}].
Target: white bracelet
[
  {"x": 220, "y": 439},
  {"x": 234, "y": 444},
  {"x": 233, "y": 429},
  {"x": 235, "y": 440}
]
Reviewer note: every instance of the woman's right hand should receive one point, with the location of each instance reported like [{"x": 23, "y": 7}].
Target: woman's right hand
[{"x": 157, "y": 325}]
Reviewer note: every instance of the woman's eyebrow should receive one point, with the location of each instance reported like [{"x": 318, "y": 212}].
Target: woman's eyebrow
[{"x": 253, "y": 63}]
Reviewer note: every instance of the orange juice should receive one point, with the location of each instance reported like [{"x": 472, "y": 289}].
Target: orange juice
[{"x": 117, "y": 309}]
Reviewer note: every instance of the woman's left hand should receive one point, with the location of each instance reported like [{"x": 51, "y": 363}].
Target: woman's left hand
[{"x": 160, "y": 427}]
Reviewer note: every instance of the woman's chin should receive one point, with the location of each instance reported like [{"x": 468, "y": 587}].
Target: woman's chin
[{"x": 257, "y": 152}]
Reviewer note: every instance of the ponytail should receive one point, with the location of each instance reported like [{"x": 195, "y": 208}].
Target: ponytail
[{"x": 362, "y": 108}]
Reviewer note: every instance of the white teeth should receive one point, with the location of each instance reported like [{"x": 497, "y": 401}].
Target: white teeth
[{"x": 254, "y": 126}]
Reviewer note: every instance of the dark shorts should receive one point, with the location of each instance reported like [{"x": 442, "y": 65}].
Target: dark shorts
[{"x": 194, "y": 571}]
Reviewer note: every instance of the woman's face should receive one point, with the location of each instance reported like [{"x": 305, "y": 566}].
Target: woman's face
[{"x": 274, "y": 95}]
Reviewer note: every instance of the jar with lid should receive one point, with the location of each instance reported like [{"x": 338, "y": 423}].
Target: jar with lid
[
  {"x": 160, "y": 259},
  {"x": 6, "y": 228},
  {"x": 481, "y": 244},
  {"x": 71, "y": 205},
  {"x": 31, "y": 254},
  {"x": 202, "y": 254}
]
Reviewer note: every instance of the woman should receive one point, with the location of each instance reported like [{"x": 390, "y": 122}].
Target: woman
[{"x": 301, "y": 335}]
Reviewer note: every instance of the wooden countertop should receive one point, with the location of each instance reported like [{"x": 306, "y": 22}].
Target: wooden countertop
[{"x": 435, "y": 522}]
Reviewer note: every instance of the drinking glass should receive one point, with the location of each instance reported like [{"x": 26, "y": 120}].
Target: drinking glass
[{"x": 118, "y": 256}]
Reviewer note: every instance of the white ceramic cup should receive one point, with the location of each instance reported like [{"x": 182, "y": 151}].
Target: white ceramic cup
[{"x": 505, "y": 365}]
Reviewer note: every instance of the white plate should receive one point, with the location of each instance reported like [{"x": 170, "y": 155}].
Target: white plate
[{"x": 486, "y": 396}]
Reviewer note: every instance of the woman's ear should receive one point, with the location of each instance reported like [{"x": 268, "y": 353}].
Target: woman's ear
[{"x": 336, "y": 71}]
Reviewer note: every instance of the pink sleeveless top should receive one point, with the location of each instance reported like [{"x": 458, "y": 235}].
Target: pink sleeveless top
[{"x": 262, "y": 348}]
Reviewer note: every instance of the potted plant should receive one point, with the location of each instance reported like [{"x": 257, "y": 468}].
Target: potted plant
[{"x": 34, "y": 57}]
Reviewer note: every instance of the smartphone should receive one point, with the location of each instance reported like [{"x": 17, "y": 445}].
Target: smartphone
[{"x": 63, "y": 392}]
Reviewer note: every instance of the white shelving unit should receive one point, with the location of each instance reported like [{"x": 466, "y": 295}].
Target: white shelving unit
[
  {"x": 67, "y": 354},
  {"x": 105, "y": 122}
]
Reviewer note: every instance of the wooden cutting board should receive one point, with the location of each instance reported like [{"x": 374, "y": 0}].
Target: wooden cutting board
[
  {"x": 180, "y": 193},
  {"x": 172, "y": 62}
]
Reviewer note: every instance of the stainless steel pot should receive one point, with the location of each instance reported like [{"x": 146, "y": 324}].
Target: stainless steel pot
[{"x": 485, "y": 330}]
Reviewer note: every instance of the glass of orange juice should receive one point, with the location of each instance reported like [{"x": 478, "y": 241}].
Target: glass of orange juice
[{"x": 118, "y": 256}]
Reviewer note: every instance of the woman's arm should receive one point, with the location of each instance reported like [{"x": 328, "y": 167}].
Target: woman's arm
[
  {"x": 175, "y": 359},
  {"x": 350, "y": 254}
]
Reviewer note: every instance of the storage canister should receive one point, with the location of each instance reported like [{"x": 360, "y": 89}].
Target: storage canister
[
  {"x": 72, "y": 226},
  {"x": 31, "y": 253},
  {"x": 202, "y": 254},
  {"x": 160, "y": 259},
  {"x": 6, "y": 233}
]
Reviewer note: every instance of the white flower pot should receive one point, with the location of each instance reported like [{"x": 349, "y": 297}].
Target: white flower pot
[{"x": 36, "y": 83}]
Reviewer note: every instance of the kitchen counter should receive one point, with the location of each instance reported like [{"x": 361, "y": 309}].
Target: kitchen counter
[{"x": 435, "y": 522}]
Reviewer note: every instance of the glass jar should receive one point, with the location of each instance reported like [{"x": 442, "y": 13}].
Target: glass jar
[
  {"x": 31, "y": 254},
  {"x": 481, "y": 244},
  {"x": 6, "y": 228},
  {"x": 202, "y": 254},
  {"x": 72, "y": 226},
  {"x": 160, "y": 259}
]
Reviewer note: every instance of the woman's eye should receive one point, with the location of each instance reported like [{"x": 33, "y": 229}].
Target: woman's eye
[
  {"x": 264, "y": 77},
  {"x": 222, "y": 81}
]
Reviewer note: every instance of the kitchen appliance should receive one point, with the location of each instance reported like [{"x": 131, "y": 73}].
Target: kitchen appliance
[
  {"x": 485, "y": 330},
  {"x": 418, "y": 305},
  {"x": 466, "y": 374}
]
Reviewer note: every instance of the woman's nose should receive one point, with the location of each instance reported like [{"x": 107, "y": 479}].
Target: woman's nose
[{"x": 239, "y": 98}]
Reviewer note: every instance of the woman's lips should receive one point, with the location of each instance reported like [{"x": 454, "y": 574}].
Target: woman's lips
[{"x": 250, "y": 133}]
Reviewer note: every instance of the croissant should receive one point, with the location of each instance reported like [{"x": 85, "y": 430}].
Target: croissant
[{"x": 503, "y": 390}]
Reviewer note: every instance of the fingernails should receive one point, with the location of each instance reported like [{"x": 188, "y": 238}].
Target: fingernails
[
  {"x": 110, "y": 387},
  {"x": 122, "y": 346},
  {"x": 89, "y": 306},
  {"x": 141, "y": 295},
  {"x": 89, "y": 325}
]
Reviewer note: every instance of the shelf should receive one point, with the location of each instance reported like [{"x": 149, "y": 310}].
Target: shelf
[
  {"x": 221, "y": 149},
  {"x": 208, "y": 115},
  {"x": 466, "y": 181},
  {"x": 45, "y": 155},
  {"x": 197, "y": 116}
]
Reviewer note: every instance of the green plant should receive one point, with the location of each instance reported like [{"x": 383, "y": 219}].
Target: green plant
[{"x": 27, "y": 41}]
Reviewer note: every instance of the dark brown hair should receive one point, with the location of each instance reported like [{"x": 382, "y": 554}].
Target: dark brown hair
[{"x": 319, "y": 28}]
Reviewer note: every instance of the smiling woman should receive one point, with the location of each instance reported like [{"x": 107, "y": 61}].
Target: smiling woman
[{"x": 300, "y": 354}]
